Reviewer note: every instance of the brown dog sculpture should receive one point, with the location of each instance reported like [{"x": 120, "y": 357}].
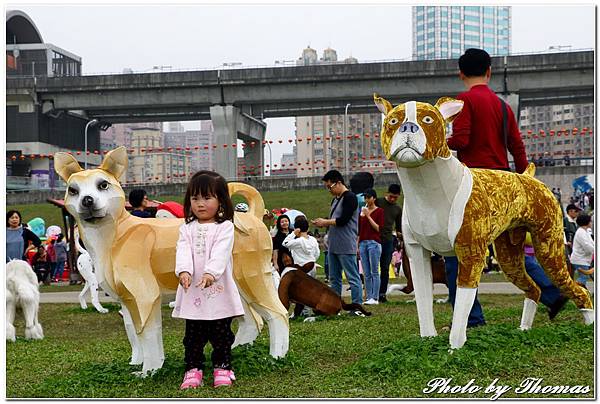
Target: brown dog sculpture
[{"x": 299, "y": 287}]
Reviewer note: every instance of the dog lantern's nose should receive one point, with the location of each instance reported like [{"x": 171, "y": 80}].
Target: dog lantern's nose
[
  {"x": 87, "y": 201},
  {"x": 409, "y": 127}
]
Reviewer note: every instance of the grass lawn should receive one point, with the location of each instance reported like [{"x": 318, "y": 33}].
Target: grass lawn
[{"x": 85, "y": 355}]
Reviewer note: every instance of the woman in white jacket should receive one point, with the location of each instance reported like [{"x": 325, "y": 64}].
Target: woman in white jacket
[{"x": 583, "y": 250}]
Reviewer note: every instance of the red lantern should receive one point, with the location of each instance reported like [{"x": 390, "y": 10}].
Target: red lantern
[{"x": 78, "y": 153}]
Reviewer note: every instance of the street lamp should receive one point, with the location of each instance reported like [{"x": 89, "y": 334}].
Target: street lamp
[
  {"x": 346, "y": 139},
  {"x": 92, "y": 122},
  {"x": 270, "y": 158}
]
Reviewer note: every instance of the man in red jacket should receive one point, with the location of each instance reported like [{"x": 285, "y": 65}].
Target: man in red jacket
[
  {"x": 479, "y": 139},
  {"x": 477, "y": 132}
]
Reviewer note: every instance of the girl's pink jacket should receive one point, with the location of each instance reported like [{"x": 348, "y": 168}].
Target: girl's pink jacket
[{"x": 207, "y": 248}]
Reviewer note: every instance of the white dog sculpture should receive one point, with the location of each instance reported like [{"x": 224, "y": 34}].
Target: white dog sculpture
[
  {"x": 86, "y": 269},
  {"x": 22, "y": 290}
]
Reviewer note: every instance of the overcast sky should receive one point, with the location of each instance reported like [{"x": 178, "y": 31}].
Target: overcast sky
[{"x": 110, "y": 38}]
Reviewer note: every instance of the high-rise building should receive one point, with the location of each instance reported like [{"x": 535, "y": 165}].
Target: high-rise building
[
  {"x": 320, "y": 142},
  {"x": 444, "y": 32},
  {"x": 199, "y": 143},
  {"x": 150, "y": 161},
  {"x": 557, "y": 131}
]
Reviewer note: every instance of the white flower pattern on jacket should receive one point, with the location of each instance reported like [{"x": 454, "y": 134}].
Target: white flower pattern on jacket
[{"x": 207, "y": 248}]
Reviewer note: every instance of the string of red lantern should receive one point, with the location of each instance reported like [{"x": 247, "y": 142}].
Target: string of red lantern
[{"x": 135, "y": 151}]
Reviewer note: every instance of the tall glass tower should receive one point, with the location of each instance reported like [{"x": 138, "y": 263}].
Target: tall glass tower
[{"x": 444, "y": 32}]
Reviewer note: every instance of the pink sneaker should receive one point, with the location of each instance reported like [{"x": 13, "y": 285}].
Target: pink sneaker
[
  {"x": 191, "y": 379},
  {"x": 223, "y": 377}
]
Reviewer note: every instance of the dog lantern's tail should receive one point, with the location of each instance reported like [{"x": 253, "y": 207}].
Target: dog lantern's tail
[
  {"x": 256, "y": 205},
  {"x": 252, "y": 250}
]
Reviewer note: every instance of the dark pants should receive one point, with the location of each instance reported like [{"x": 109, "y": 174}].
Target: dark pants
[
  {"x": 550, "y": 293},
  {"x": 476, "y": 314},
  {"x": 326, "y": 266},
  {"x": 387, "y": 248},
  {"x": 198, "y": 333}
]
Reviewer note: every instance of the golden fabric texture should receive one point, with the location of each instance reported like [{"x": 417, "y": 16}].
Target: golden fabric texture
[{"x": 502, "y": 208}]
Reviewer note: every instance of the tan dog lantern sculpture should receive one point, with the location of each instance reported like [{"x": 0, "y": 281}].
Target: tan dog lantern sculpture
[
  {"x": 134, "y": 258},
  {"x": 456, "y": 211}
]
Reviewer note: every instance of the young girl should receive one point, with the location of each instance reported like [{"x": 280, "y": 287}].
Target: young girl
[{"x": 207, "y": 296}]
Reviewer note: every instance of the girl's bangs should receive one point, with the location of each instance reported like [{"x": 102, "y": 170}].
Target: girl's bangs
[{"x": 203, "y": 185}]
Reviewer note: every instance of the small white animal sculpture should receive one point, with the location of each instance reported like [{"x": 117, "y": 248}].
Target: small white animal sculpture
[
  {"x": 86, "y": 269},
  {"x": 22, "y": 291}
]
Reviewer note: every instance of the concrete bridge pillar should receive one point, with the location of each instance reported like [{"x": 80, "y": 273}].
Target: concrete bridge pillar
[{"x": 229, "y": 123}]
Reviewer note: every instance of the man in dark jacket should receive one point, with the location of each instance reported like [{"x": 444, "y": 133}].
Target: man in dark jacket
[{"x": 343, "y": 235}]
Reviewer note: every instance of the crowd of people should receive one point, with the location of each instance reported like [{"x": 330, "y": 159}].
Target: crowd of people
[
  {"x": 47, "y": 258},
  {"x": 354, "y": 236}
]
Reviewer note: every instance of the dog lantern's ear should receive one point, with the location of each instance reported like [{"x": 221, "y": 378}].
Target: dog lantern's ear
[
  {"x": 65, "y": 165},
  {"x": 383, "y": 105},
  {"x": 115, "y": 162},
  {"x": 449, "y": 108}
]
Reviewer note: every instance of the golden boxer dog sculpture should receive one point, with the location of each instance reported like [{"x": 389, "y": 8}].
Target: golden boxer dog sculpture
[
  {"x": 456, "y": 211},
  {"x": 135, "y": 258}
]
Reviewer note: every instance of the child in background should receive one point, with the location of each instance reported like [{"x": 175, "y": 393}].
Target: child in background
[
  {"x": 60, "y": 249},
  {"x": 304, "y": 248},
  {"x": 207, "y": 296},
  {"x": 397, "y": 259},
  {"x": 41, "y": 266},
  {"x": 583, "y": 250},
  {"x": 51, "y": 255}
]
